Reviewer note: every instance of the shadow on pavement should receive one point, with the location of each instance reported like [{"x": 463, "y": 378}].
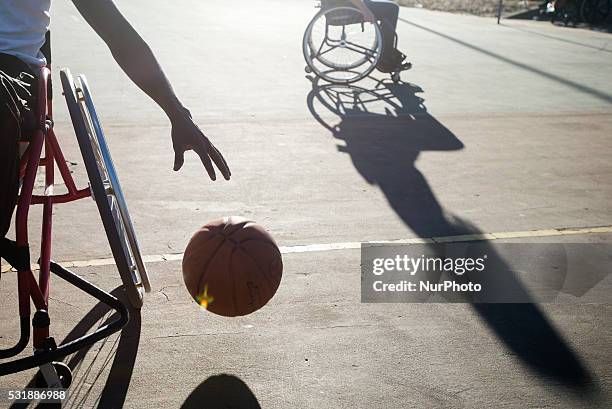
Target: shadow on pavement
[
  {"x": 221, "y": 391},
  {"x": 384, "y": 128},
  {"x": 123, "y": 352},
  {"x": 560, "y": 39},
  {"x": 547, "y": 75}
]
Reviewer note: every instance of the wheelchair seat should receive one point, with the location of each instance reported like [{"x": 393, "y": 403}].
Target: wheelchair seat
[{"x": 345, "y": 13}]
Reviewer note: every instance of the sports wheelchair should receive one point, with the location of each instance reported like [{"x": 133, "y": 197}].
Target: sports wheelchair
[
  {"x": 339, "y": 46},
  {"x": 105, "y": 189}
]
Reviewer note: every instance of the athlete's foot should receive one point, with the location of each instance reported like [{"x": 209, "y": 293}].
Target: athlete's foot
[{"x": 395, "y": 63}]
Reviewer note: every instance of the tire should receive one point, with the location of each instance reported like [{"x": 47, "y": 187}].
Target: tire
[
  {"x": 106, "y": 189},
  {"x": 331, "y": 69}
]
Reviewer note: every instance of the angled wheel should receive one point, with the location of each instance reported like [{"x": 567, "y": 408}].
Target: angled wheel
[
  {"x": 105, "y": 188},
  {"x": 340, "y": 47}
]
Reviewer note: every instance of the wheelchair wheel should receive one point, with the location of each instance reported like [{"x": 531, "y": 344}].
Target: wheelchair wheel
[
  {"x": 595, "y": 11},
  {"x": 340, "y": 47},
  {"x": 105, "y": 188}
]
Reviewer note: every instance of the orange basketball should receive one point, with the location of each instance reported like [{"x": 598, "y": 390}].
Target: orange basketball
[{"x": 232, "y": 266}]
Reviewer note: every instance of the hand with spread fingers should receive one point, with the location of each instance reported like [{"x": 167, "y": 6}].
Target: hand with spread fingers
[
  {"x": 136, "y": 59},
  {"x": 186, "y": 135}
]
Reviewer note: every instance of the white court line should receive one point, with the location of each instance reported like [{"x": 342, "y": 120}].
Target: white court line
[{"x": 352, "y": 245}]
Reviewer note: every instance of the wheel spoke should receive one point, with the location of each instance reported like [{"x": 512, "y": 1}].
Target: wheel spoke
[
  {"x": 320, "y": 48},
  {"x": 326, "y": 51},
  {"x": 357, "y": 50},
  {"x": 366, "y": 49}
]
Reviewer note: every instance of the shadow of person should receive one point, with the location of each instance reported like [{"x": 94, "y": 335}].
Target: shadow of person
[
  {"x": 123, "y": 354},
  {"x": 118, "y": 381},
  {"x": 221, "y": 392},
  {"x": 384, "y": 128}
]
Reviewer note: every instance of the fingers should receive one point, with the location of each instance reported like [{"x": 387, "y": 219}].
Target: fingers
[
  {"x": 219, "y": 160},
  {"x": 179, "y": 159},
  {"x": 206, "y": 152},
  {"x": 202, "y": 151},
  {"x": 187, "y": 136}
]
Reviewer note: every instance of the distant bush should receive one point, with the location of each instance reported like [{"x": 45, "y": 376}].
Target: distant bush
[{"x": 478, "y": 7}]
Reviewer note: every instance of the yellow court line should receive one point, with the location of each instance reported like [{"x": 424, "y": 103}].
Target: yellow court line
[{"x": 311, "y": 248}]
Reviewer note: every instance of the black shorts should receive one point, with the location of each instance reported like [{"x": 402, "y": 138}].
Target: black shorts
[{"x": 18, "y": 88}]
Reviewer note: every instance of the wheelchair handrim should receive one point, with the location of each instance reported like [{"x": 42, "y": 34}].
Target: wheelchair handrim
[
  {"x": 122, "y": 257},
  {"x": 134, "y": 247}
]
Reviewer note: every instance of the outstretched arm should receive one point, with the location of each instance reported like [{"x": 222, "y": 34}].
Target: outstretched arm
[{"x": 137, "y": 60}]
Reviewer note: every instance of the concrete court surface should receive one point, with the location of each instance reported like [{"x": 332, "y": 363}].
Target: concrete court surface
[{"x": 498, "y": 128}]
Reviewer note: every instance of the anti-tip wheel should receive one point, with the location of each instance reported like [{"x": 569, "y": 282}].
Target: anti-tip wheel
[
  {"x": 63, "y": 372},
  {"x": 308, "y": 69}
]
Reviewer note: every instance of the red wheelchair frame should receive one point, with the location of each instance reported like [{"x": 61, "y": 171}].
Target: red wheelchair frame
[{"x": 45, "y": 349}]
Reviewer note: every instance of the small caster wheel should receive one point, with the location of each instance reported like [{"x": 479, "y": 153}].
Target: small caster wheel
[
  {"x": 308, "y": 69},
  {"x": 395, "y": 77},
  {"x": 63, "y": 372}
]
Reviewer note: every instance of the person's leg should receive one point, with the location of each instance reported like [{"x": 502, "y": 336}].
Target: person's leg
[
  {"x": 9, "y": 151},
  {"x": 387, "y": 12},
  {"x": 15, "y": 100},
  {"x": 9, "y": 183}
]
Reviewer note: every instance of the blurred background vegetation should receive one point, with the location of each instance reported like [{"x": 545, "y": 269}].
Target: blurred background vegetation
[{"x": 478, "y": 7}]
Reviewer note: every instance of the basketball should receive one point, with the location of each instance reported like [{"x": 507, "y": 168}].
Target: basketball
[{"x": 232, "y": 266}]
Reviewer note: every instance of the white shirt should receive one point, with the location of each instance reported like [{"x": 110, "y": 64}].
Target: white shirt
[{"x": 23, "y": 25}]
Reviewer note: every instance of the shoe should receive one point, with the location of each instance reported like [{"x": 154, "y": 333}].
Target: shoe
[{"x": 394, "y": 63}]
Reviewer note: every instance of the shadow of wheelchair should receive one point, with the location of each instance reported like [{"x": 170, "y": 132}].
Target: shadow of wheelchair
[
  {"x": 118, "y": 351},
  {"x": 384, "y": 126}
]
